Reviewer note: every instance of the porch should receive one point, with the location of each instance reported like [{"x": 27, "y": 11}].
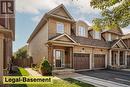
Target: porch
[
  {"x": 61, "y": 57},
  {"x": 118, "y": 59}
]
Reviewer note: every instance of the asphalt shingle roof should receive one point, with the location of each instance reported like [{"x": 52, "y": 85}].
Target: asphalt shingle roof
[{"x": 89, "y": 41}]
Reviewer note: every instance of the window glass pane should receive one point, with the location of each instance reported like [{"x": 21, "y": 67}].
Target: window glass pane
[
  {"x": 60, "y": 28},
  {"x": 81, "y": 31},
  {"x": 109, "y": 37},
  {"x": 97, "y": 35},
  {"x": 57, "y": 54}
]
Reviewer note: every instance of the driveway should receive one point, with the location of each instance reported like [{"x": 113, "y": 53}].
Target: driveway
[{"x": 122, "y": 77}]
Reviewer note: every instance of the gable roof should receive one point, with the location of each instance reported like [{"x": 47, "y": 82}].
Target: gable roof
[
  {"x": 90, "y": 42},
  {"x": 62, "y": 35},
  {"x": 115, "y": 31},
  {"x": 38, "y": 27},
  {"x": 57, "y": 8},
  {"x": 44, "y": 20},
  {"x": 114, "y": 43},
  {"x": 126, "y": 36}
]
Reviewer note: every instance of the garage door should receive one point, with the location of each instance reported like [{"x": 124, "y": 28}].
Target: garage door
[
  {"x": 99, "y": 61},
  {"x": 81, "y": 61},
  {"x": 128, "y": 60}
]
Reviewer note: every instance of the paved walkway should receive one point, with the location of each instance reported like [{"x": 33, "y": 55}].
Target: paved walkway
[
  {"x": 35, "y": 73},
  {"x": 32, "y": 72}
]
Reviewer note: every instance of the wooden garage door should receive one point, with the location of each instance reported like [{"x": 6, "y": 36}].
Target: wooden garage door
[
  {"x": 128, "y": 60},
  {"x": 99, "y": 61},
  {"x": 81, "y": 61}
]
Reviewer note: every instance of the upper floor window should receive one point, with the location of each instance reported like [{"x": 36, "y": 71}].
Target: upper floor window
[
  {"x": 60, "y": 27},
  {"x": 97, "y": 35},
  {"x": 109, "y": 37},
  {"x": 81, "y": 31}
]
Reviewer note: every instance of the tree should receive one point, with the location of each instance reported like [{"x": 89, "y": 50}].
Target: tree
[
  {"x": 21, "y": 53},
  {"x": 115, "y": 14}
]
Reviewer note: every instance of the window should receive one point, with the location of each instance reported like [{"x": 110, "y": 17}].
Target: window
[
  {"x": 97, "y": 35},
  {"x": 58, "y": 54},
  {"x": 60, "y": 28},
  {"x": 81, "y": 31},
  {"x": 122, "y": 58},
  {"x": 109, "y": 37}
]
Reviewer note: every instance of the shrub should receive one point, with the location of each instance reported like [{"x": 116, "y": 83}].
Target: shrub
[
  {"x": 45, "y": 68},
  {"x": 33, "y": 65}
]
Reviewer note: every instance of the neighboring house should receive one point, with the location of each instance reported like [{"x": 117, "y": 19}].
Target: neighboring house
[
  {"x": 67, "y": 43},
  {"x": 7, "y": 35}
]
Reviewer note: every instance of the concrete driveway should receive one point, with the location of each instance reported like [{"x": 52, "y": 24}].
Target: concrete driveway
[{"x": 122, "y": 77}]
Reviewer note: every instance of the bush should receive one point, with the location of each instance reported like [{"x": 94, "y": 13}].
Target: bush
[
  {"x": 33, "y": 65},
  {"x": 46, "y": 68}
]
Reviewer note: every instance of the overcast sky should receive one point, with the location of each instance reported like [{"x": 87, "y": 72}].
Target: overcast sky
[{"x": 29, "y": 12}]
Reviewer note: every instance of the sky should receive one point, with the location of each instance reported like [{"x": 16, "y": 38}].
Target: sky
[{"x": 29, "y": 13}]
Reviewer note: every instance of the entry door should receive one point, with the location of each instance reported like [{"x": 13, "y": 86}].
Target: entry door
[
  {"x": 128, "y": 60},
  {"x": 114, "y": 58},
  {"x": 59, "y": 58}
]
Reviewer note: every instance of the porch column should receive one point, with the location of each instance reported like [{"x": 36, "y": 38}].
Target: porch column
[
  {"x": 91, "y": 62},
  {"x": 1, "y": 56},
  {"x": 50, "y": 55},
  {"x": 118, "y": 58},
  {"x": 92, "y": 59},
  {"x": 71, "y": 57},
  {"x": 106, "y": 59},
  {"x": 110, "y": 58},
  {"x": 126, "y": 53}
]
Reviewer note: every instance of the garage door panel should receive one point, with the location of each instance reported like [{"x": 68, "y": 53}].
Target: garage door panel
[
  {"x": 81, "y": 61},
  {"x": 99, "y": 61}
]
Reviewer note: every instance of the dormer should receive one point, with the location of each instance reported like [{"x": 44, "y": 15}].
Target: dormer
[
  {"x": 81, "y": 29},
  {"x": 112, "y": 34},
  {"x": 96, "y": 34}
]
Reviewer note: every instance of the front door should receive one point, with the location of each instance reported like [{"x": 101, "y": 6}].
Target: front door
[
  {"x": 59, "y": 58},
  {"x": 114, "y": 57}
]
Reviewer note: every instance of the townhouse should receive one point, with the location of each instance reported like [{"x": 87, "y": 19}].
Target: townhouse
[{"x": 67, "y": 43}]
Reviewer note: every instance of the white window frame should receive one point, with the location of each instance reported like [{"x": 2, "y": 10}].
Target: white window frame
[
  {"x": 99, "y": 35},
  {"x": 82, "y": 31},
  {"x": 109, "y": 37},
  {"x": 60, "y": 27},
  {"x": 62, "y": 60}
]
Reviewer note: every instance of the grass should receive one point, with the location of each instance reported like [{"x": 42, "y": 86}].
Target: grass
[
  {"x": 23, "y": 72},
  {"x": 20, "y": 72},
  {"x": 69, "y": 82}
]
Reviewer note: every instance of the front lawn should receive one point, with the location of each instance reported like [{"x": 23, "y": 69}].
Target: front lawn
[
  {"x": 20, "y": 72},
  {"x": 69, "y": 82}
]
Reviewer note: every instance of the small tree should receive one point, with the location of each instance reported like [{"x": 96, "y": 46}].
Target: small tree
[{"x": 21, "y": 53}]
